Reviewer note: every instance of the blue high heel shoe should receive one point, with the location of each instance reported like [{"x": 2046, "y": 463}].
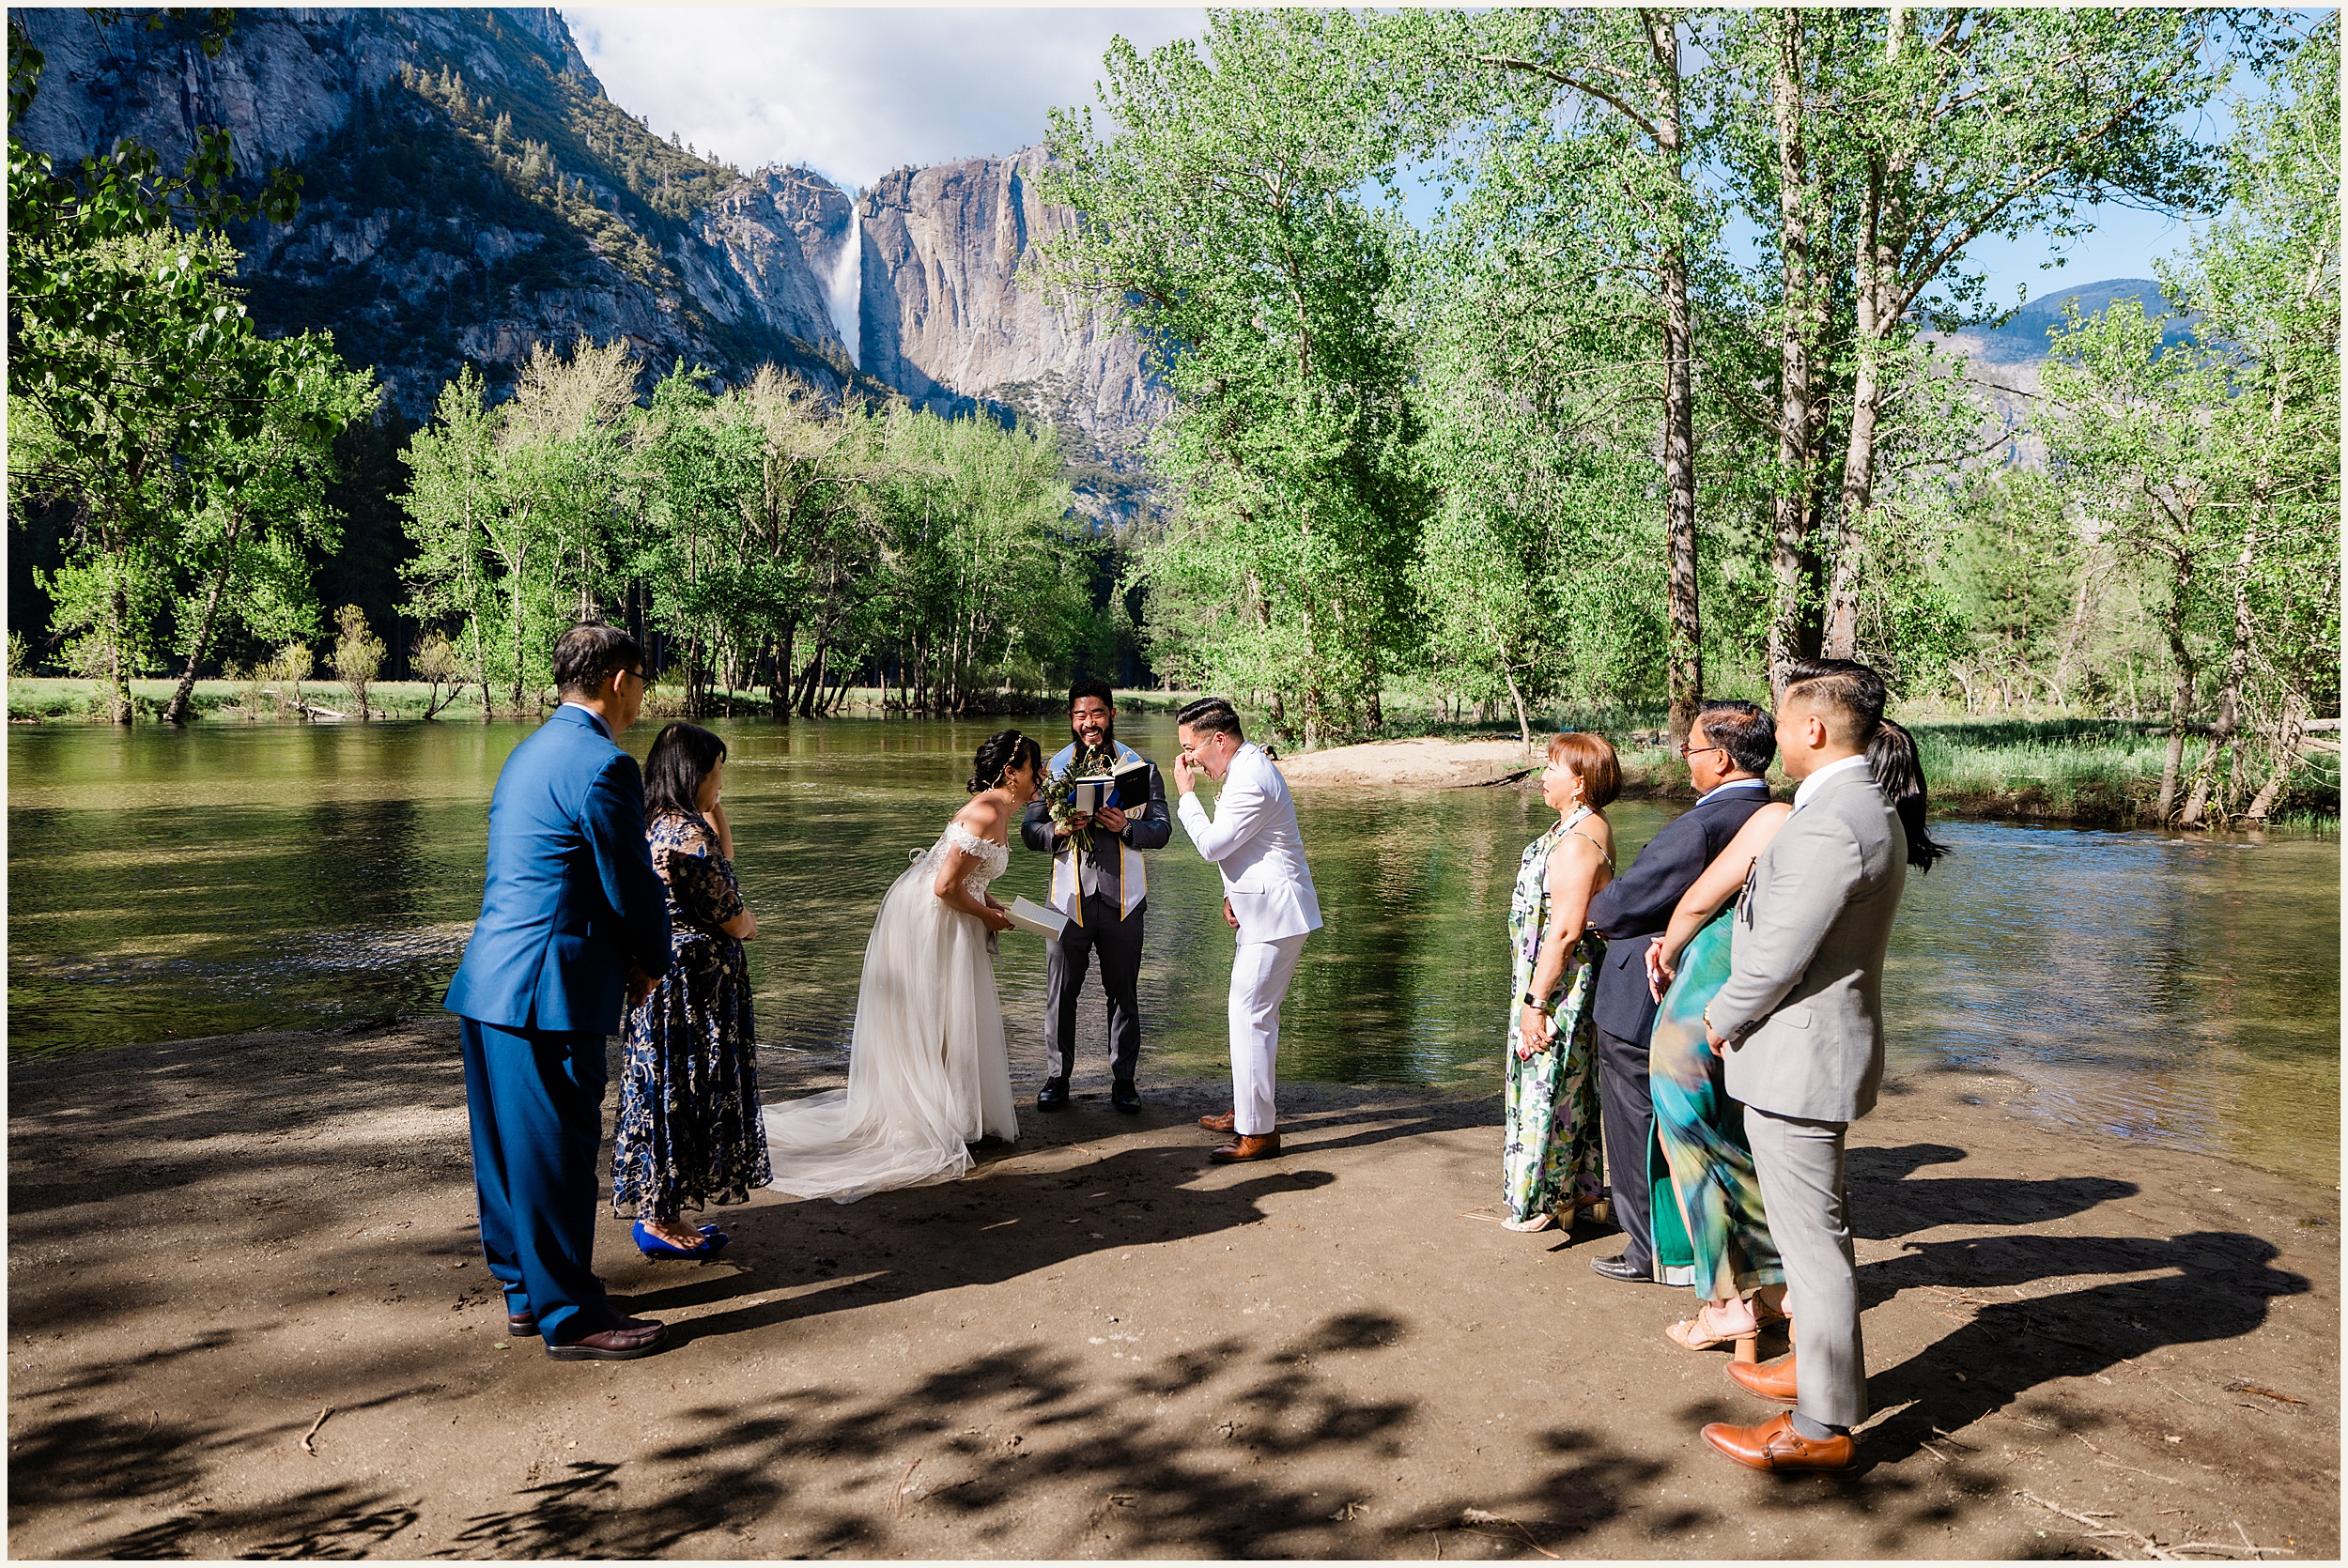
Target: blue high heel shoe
[{"x": 652, "y": 1246}]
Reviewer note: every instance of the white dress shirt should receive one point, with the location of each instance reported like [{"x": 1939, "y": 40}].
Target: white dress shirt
[{"x": 1810, "y": 785}]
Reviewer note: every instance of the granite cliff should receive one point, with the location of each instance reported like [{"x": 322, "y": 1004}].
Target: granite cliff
[
  {"x": 468, "y": 191},
  {"x": 947, "y": 308}
]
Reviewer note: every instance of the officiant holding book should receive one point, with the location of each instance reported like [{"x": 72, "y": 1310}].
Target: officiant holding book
[{"x": 1099, "y": 883}]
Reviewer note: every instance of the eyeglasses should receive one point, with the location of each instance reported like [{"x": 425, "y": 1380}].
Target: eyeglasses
[{"x": 1698, "y": 751}]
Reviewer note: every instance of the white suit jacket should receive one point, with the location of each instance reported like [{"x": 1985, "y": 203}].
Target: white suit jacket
[{"x": 1253, "y": 841}]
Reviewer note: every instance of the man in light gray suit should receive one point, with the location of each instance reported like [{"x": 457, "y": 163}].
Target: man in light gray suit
[{"x": 1799, "y": 1028}]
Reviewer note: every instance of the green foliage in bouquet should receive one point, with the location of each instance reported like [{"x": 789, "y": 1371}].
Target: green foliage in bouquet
[{"x": 1059, "y": 793}]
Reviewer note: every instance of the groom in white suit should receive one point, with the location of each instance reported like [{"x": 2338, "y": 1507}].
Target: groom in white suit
[{"x": 1268, "y": 899}]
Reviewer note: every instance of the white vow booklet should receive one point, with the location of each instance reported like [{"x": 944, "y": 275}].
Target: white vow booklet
[{"x": 1035, "y": 918}]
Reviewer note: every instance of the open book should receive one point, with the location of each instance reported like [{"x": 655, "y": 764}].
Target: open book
[
  {"x": 1127, "y": 788},
  {"x": 1047, "y": 923}
]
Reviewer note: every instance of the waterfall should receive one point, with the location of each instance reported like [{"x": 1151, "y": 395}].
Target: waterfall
[{"x": 844, "y": 291}]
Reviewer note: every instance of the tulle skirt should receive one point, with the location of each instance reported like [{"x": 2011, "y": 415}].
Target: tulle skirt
[{"x": 928, "y": 1072}]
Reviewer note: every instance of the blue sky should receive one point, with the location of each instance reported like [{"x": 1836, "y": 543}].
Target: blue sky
[{"x": 854, "y": 92}]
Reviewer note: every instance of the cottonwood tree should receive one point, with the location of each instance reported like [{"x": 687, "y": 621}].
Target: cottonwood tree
[
  {"x": 258, "y": 507},
  {"x": 1224, "y": 214},
  {"x": 2132, "y": 430},
  {"x": 2264, "y": 282},
  {"x": 1949, "y": 126},
  {"x": 453, "y": 492},
  {"x": 1617, "y": 78},
  {"x": 516, "y": 510}
]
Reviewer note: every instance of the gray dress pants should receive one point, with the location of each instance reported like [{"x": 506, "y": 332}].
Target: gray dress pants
[
  {"x": 1800, "y": 1166},
  {"x": 1116, "y": 941}
]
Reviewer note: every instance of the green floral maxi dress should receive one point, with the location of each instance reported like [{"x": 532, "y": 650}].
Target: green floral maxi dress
[{"x": 1554, "y": 1158}]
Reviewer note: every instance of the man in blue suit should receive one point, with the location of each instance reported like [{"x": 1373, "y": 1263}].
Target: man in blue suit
[
  {"x": 574, "y": 923},
  {"x": 1728, "y": 750}
]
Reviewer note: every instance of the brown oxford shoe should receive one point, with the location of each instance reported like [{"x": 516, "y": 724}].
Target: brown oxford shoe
[
  {"x": 630, "y": 1338},
  {"x": 1773, "y": 1381},
  {"x": 1228, "y": 1122},
  {"x": 1776, "y": 1447},
  {"x": 521, "y": 1324},
  {"x": 1247, "y": 1147}
]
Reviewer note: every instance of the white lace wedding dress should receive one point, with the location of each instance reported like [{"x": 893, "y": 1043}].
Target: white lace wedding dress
[{"x": 928, "y": 1073}]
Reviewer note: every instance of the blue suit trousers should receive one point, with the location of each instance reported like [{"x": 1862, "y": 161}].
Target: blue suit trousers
[{"x": 536, "y": 1102}]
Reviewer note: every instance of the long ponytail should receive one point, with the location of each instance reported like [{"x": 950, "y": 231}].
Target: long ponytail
[{"x": 1892, "y": 758}]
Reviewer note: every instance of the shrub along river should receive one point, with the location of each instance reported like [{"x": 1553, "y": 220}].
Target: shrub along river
[{"x": 228, "y": 878}]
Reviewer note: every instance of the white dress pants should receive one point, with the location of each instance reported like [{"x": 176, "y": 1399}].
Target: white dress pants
[{"x": 1261, "y": 972}]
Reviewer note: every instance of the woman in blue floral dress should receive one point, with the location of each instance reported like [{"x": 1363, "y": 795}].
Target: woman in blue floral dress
[
  {"x": 1554, "y": 1161},
  {"x": 690, "y": 1129}
]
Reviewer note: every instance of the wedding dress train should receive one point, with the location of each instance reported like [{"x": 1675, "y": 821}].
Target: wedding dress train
[{"x": 928, "y": 1073}]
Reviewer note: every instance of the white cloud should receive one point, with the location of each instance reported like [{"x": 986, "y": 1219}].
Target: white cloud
[{"x": 856, "y": 92}]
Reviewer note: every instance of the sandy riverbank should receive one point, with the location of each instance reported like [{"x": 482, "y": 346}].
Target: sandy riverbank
[
  {"x": 1098, "y": 1346},
  {"x": 1430, "y": 762}
]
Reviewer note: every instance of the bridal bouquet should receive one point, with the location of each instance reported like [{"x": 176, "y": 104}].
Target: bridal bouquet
[{"x": 1059, "y": 795}]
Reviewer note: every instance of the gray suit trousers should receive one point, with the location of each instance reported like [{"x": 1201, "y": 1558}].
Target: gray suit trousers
[{"x": 1800, "y": 1166}]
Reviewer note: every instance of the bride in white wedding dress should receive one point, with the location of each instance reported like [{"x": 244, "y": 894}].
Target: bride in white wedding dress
[{"x": 928, "y": 1074}]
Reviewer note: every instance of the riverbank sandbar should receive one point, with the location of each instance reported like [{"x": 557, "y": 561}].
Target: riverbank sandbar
[
  {"x": 249, "y": 1317},
  {"x": 1429, "y": 762}
]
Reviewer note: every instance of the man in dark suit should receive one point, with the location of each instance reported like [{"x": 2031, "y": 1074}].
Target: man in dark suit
[
  {"x": 573, "y": 923},
  {"x": 1102, "y": 891},
  {"x": 1728, "y": 750}
]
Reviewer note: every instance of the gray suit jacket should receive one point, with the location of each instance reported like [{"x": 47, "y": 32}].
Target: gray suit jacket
[{"x": 1802, "y": 1009}]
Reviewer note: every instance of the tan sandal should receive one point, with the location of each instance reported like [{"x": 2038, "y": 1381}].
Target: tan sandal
[
  {"x": 1538, "y": 1221},
  {"x": 1705, "y": 1332}
]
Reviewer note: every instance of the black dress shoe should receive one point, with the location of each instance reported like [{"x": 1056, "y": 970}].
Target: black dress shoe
[
  {"x": 1054, "y": 1096},
  {"x": 1125, "y": 1096},
  {"x": 1624, "y": 1269}
]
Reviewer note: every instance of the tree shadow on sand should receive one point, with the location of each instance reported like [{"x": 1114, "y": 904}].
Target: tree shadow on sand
[{"x": 894, "y": 1246}]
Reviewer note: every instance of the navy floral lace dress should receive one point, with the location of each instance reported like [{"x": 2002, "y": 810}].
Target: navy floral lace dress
[{"x": 690, "y": 1129}]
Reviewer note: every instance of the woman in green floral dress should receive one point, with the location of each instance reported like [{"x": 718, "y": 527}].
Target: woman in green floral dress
[{"x": 1554, "y": 1161}]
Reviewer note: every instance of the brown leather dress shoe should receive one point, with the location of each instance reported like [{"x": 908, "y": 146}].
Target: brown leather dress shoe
[
  {"x": 1247, "y": 1147},
  {"x": 1775, "y": 1446},
  {"x": 1228, "y": 1122},
  {"x": 1773, "y": 1381},
  {"x": 521, "y": 1324},
  {"x": 632, "y": 1337}
]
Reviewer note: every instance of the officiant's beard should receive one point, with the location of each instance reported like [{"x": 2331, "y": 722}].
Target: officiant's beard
[{"x": 1108, "y": 737}]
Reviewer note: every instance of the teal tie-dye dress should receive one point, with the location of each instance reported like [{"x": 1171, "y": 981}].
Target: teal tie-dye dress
[
  {"x": 1554, "y": 1158},
  {"x": 1715, "y": 1192}
]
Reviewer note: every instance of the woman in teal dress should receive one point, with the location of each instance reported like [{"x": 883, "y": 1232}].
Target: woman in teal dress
[
  {"x": 1701, "y": 1130},
  {"x": 1716, "y": 1195},
  {"x": 1554, "y": 1161}
]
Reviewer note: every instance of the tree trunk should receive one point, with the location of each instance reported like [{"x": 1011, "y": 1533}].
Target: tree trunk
[
  {"x": 1842, "y": 613},
  {"x": 517, "y": 612},
  {"x": 2181, "y": 698},
  {"x": 1791, "y": 547},
  {"x": 778, "y": 684},
  {"x": 119, "y": 693},
  {"x": 812, "y": 678},
  {"x": 2286, "y": 757},
  {"x": 1686, "y": 673},
  {"x": 177, "y": 712},
  {"x": 2222, "y": 734},
  {"x": 480, "y": 663},
  {"x": 1876, "y": 260},
  {"x": 803, "y": 689}
]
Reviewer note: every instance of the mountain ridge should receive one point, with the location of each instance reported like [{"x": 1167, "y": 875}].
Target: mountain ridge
[{"x": 469, "y": 189}]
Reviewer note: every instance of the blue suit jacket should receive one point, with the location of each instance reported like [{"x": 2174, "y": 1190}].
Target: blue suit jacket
[
  {"x": 1639, "y": 903},
  {"x": 571, "y": 895}
]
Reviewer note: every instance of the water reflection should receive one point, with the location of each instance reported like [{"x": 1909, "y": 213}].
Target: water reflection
[{"x": 170, "y": 885}]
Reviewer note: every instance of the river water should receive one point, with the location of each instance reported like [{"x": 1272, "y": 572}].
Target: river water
[{"x": 176, "y": 885}]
